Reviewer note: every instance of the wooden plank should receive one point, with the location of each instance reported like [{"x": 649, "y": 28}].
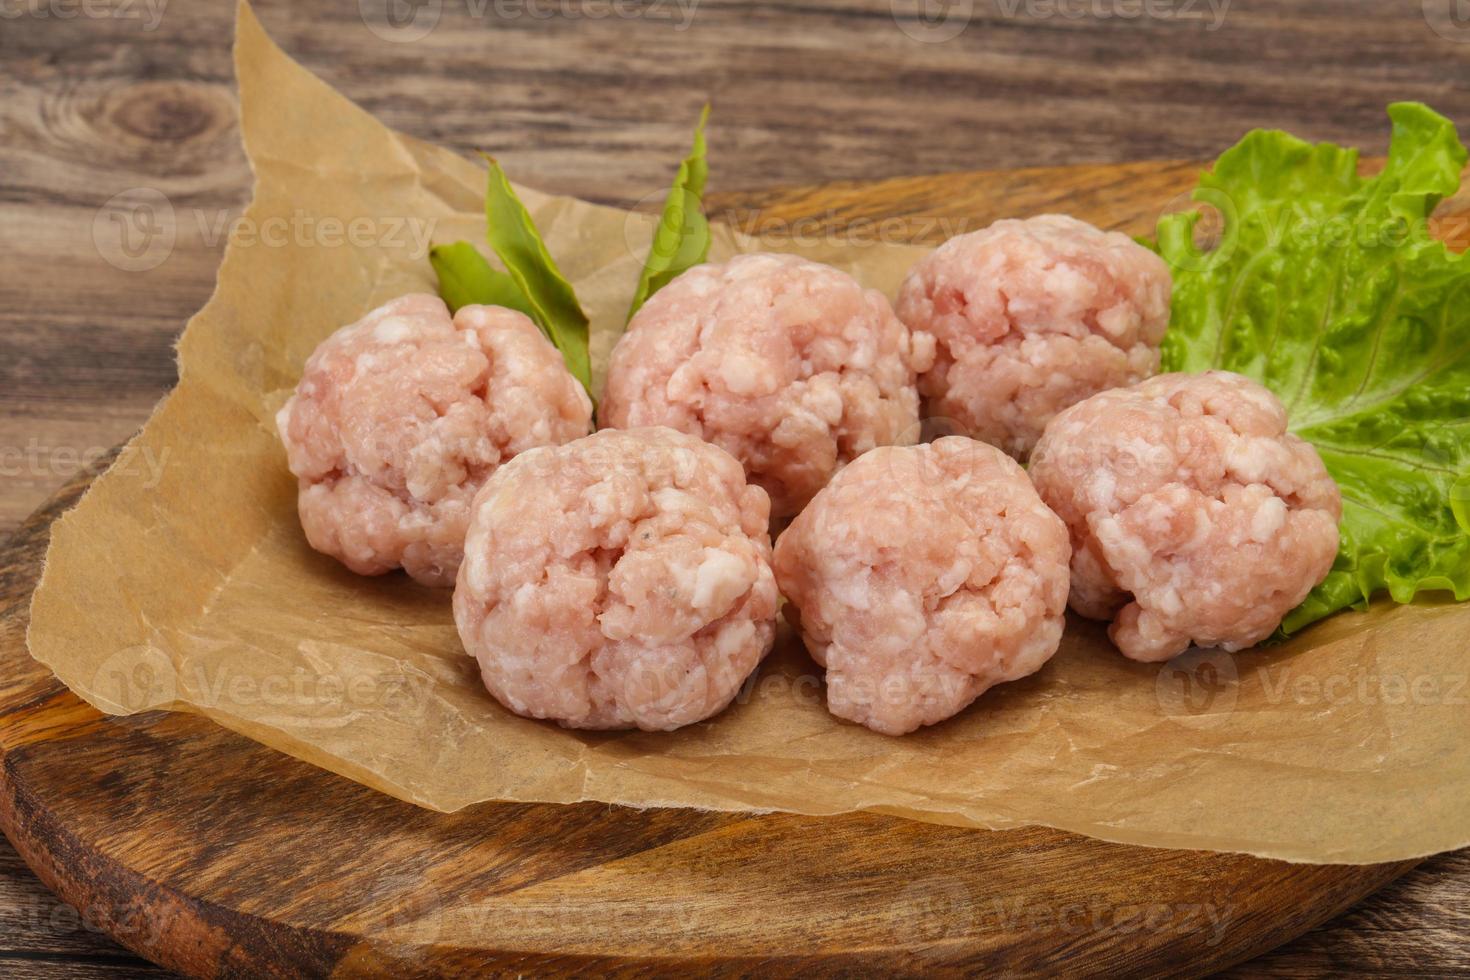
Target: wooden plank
[
  {"x": 90, "y": 107},
  {"x": 1414, "y": 927}
]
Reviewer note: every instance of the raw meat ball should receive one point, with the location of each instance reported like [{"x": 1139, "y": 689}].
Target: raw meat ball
[
  {"x": 1195, "y": 516},
  {"x": 401, "y": 417},
  {"x": 1030, "y": 317},
  {"x": 789, "y": 365},
  {"x": 619, "y": 581},
  {"x": 921, "y": 577}
]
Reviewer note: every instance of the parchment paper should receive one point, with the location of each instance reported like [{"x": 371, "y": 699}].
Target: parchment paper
[{"x": 182, "y": 581}]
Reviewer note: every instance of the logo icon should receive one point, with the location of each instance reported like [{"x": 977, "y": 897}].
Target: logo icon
[
  {"x": 401, "y": 21},
  {"x": 1200, "y": 685},
  {"x": 642, "y": 222},
  {"x": 932, "y": 21},
  {"x": 136, "y": 679},
  {"x": 931, "y": 911},
  {"x": 1450, "y": 19},
  {"x": 135, "y": 231},
  {"x": 408, "y": 910},
  {"x": 1214, "y": 235}
]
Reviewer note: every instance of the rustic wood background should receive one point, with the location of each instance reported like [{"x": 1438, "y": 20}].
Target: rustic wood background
[{"x": 99, "y": 97}]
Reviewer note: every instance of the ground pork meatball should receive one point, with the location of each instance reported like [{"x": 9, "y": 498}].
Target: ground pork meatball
[
  {"x": 401, "y": 417},
  {"x": 921, "y": 577},
  {"x": 789, "y": 365},
  {"x": 1030, "y": 317},
  {"x": 1195, "y": 517},
  {"x": 619, "y": 581}
]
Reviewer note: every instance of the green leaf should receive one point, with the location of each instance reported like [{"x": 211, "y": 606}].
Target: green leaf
[
  {"x": 1328, "y": 288},
  {"x": 681, "y": 240},
  {"x": 552, "y": 301},
  {"x": 466, "y": 278}
]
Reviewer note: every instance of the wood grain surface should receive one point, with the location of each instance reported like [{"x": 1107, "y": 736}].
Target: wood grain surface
[{"x": 138, "y": 94}]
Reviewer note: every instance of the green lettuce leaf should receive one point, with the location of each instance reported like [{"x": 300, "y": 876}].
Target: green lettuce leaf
[
  {"x": 551, "y": 300},
  {"x": 681, "y": 240},
  {"x": 467, "y": 279},
  {"x": 1328, "y": 288}
]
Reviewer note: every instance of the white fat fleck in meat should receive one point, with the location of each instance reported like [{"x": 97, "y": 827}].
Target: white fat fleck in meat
[
  {"x": 1029, "y": 317},
  {"x": 950, "y": 581},
  {"x": 394, "y": 330},
  {"x": 744, "y": 375},
  {"x": 1216, "y": 523},
  {"x": 1269, "y": 520},
  {"x": 622, "y": 581},
  {"x": 720, "y": 578},
  {"x": 399, "y": 419},
  {"x": 735, "y": 636},
  {"x": 791, "y": 366},
  {"x": 921, "y": 577}
]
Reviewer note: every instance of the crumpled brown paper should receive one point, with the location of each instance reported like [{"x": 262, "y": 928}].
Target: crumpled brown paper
[{"x": 182, "y": 581}]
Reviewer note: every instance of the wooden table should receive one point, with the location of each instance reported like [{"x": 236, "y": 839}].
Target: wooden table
[{"x": 582, "y": 97}]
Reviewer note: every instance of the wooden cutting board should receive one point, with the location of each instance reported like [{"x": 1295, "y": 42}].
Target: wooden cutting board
[{"x": 212, "y": 855}]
